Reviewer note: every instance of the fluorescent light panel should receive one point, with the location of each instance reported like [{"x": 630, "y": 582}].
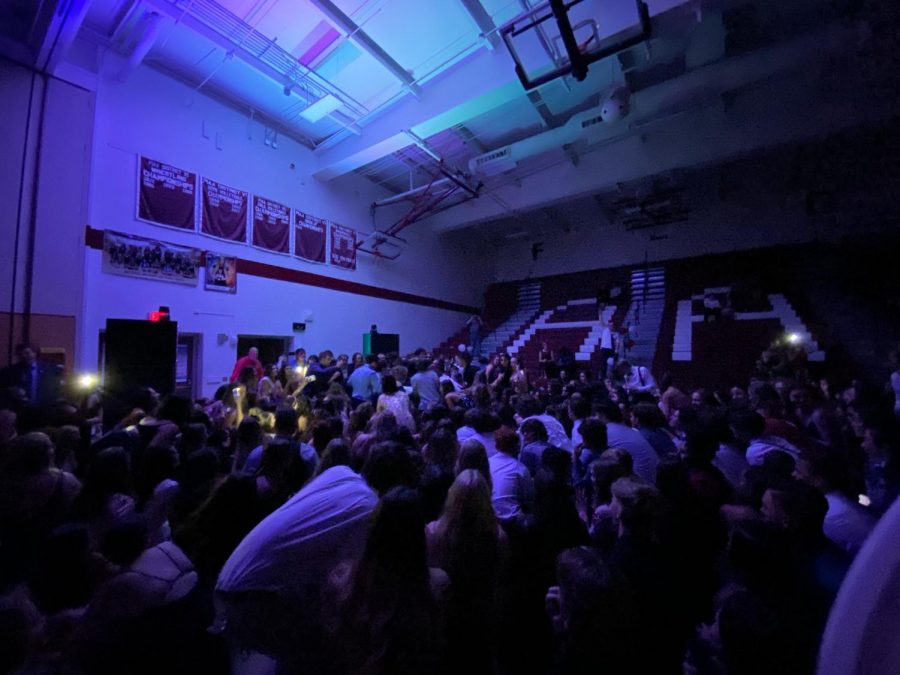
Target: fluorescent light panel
[{"x": 324, "y": 106}]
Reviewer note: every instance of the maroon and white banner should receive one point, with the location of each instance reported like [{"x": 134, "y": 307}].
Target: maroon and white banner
[
  {"x": 309, "y": 237},
  {"x": 271, "y": 225},
  {"x": 343, "y": 247},
  {"x": 224, "y": 211},
  {"x": 166, "y": 194},
  {"x": 149, "y": 259}
]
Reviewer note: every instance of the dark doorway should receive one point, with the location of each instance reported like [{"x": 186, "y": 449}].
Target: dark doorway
[
  {"x": 186, "y": 361},
  {"x": 270, "y": 347}
]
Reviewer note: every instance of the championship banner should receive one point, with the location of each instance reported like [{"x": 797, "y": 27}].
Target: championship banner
[
  {"x": 133, "y": 256},
  {"x": 343, "y": 247},
  {"x": 166, "y": 194},
  {"x": 224, "y": 211},
  {"x": 221, "y": 273},
  {"x": 309, "y": 237},
  {"x": 271, "y": 225}
]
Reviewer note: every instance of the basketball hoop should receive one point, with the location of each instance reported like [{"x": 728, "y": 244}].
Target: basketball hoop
[{"x": 581, "y": 41}]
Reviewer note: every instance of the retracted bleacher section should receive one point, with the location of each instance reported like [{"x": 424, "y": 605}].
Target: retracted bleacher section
[{"x": 764, "y": 295}]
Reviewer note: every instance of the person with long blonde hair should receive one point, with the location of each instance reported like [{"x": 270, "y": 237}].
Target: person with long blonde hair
[{"x": 468, "y": 543}]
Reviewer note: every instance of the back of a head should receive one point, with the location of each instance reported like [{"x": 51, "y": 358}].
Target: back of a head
[
  {"x": 648, "y": 415},
  {"x": 468, "y": 504},
  {"x": 388, "y": 465},
  {"x": 473, "y": 455},
  {"x": 507, "y": 442},
  {"x": 593, "y": 433},
  {"x": 389, "y": 384},
  {"x": 642, "y": 509},
  {"x": 286, "y": 422},
  {"x": 276, "y": 456},
  {"x": 442, "y": 448},
  {"x": 400, "y": 374},
  {"x": 125, "y": 540},
  {"x": 30, "y": 454},
  {"x": 557, "y": 465},
  {"x": 323, "y": 431},
  {"x": 832, "y": 469},
  {"x": 610, "y": 412},
  {"x": 804, "y": 506},
  {"x": 201, "y": 466},
  {"x": 482, "y": 421},
  {"x": 396, "y": 544},
  {"x": 146, "y": 399},
  {"x": 598, "y": 609},
  {"x": 747, "y": 424},
  {"x": 580, "y": 406},
  {"x": 249, "y": 432},
  {"x": 534, "y": 430},
  {"x": 193, "y": 437},
  {"x": 337, "y": 453},
  {"x": 528, "y": 406},
  {"x": 612, "y": 465}
]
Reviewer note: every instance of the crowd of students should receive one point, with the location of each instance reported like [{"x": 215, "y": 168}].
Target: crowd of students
[{"x": 341, "y": 516}]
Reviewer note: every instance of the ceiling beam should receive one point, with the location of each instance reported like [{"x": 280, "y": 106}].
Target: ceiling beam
[
  {"x": 484, "y": 22},
  {"x": 365, "y": 41},
  {"x": 486, "y": 82}
]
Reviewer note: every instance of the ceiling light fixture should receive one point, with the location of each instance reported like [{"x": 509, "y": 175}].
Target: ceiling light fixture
[{"x": 324, "y": 106}]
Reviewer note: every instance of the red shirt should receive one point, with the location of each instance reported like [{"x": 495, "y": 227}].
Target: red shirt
[{"x": 247, "y": 362}]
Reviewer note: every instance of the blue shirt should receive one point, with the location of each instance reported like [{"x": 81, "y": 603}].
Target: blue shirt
[{"x": 365, "y": 382}]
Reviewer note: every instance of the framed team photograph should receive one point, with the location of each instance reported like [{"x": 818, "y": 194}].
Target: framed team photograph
[{"x": 221, "y": 273}]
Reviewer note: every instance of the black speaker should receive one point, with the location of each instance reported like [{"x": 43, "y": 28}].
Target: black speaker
[
  {"x": 140, "y": 354},
  {"x": 381, "y": 343}
]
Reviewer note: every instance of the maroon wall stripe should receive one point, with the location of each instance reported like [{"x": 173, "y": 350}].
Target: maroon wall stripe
[{"x": 93, "y": 238}]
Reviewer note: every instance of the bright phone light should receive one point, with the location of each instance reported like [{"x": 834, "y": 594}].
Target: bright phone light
[
  {"x": 87, "y": 381},
  {"x": 793, "y": 338}
]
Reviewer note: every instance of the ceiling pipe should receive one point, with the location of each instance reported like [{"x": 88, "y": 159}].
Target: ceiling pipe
[
  {"x": 361, "y": 38},
  {"x": 403, "y": 196},
  {"x": 672, "y": 95},
  {"x": 217, "y": 25},
  {"x": 143, "y": 46}
]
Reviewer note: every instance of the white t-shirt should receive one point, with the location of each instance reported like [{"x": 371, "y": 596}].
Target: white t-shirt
[
  {"x": 639, "y": 378},
  {"x": 513, "y": 487},
  {"x": 486, "y": 439},
  {"x": 606, "y": 341},
  {"x": 760, "y": 447},
  {"x": 576, "y": 433},
  {"x": 297, "y": 545},
  {"x": 556, "y": 433},
  {"x": 642, "y": 453}
]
